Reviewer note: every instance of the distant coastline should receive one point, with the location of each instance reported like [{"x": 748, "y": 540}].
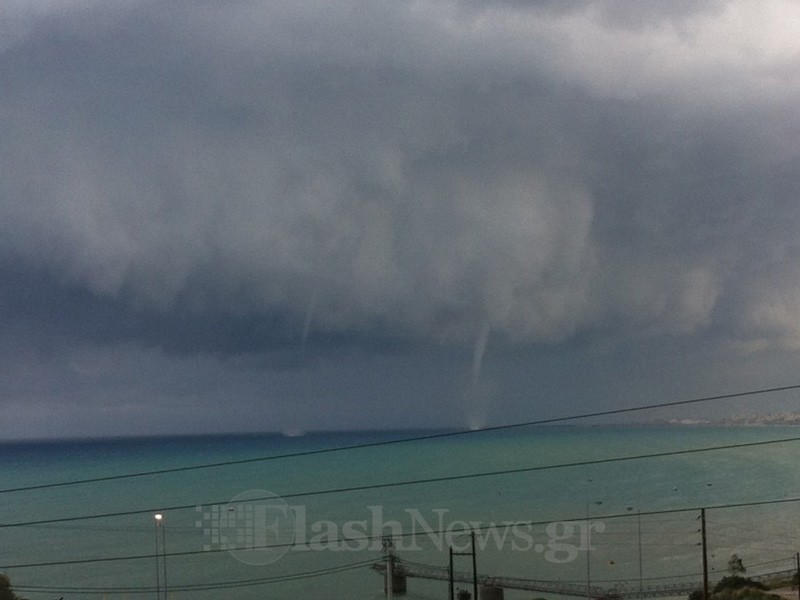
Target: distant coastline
[{"x": 752, "y": 420}]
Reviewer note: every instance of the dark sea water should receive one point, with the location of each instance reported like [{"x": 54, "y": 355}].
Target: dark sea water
[{"x": 642, "y": 514}]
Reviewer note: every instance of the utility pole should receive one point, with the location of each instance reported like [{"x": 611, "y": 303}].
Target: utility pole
[
  {"x": 389, "y": 556},
  {"x": 452, "y": 588},
  {"x": 639, "y": 529},
  {"x": 797, "y": 566},
  {"x": 474, "y": 570},
  {"x": 705, "y": 553}
]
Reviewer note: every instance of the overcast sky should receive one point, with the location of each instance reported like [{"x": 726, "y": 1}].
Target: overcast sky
[{"x": 306, "y": 214}]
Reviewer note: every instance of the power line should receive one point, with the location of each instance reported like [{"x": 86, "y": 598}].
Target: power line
[
  {"x": 432, "y": 436},
  {"x": 199, "y": 586},
  {"x": 207, "y": 586},
  {"x": 447, "y": 530},
  {"x": 376, "y": 486}
]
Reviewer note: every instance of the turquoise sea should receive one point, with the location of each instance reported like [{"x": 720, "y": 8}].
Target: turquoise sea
[{"x": 641, "y": 514}]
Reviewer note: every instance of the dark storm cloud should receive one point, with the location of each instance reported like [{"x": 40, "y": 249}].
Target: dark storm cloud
[{"x": 234, "y": 177}]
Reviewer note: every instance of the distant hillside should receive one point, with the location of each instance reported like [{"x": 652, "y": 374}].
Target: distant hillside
[{"x": 774, "y": 419}]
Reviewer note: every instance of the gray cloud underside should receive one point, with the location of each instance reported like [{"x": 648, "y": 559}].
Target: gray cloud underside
[{"x": 409, "y": 170}]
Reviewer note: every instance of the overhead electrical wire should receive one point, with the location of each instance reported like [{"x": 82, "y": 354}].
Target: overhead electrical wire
[
  {"x": 432, "y": 436},
  {"x": 207, "y": 586},
  {"x": 448, "y": 530},
  {"x": 391, "y": 484},
  {"x": 403, "y": 483},
  {"x": 222, "y": 585}
]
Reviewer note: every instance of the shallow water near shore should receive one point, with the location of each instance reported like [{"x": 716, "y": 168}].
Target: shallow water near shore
[{"x": 641, "y": 514}]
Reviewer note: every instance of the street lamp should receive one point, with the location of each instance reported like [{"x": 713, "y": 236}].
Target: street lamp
[
  {"x": 159, "y": 521},
  {"x": 639, "y": 535},
  {"x": 589, "y": 547}
]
